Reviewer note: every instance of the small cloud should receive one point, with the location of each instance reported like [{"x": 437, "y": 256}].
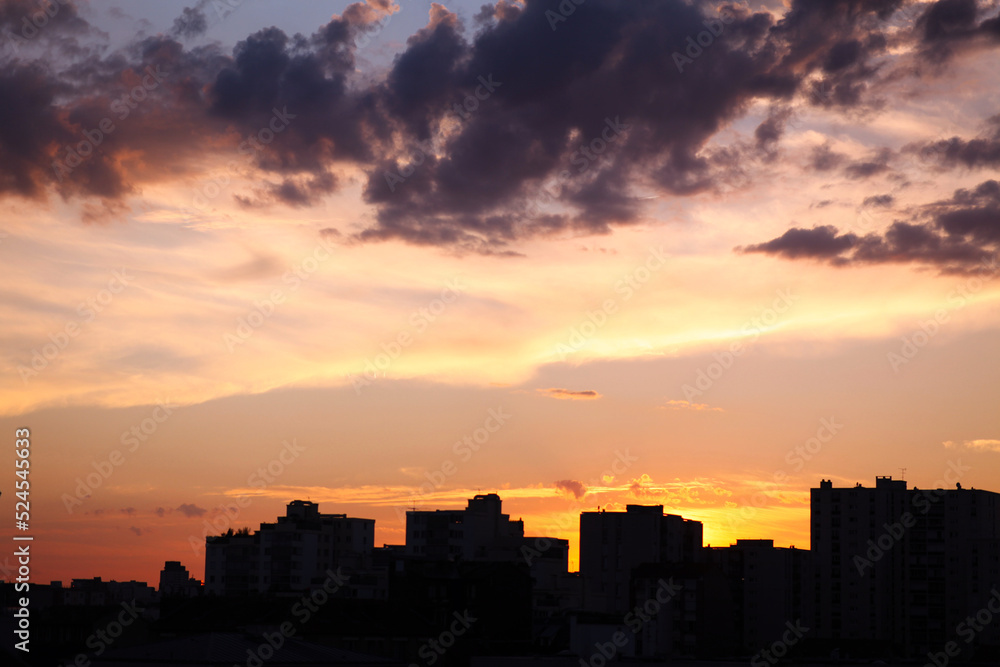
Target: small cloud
[
  {"x": 191, "y": 23},
  {"x": 189, "y": 510},
  {"x": 688, "y": 405},
  {"x": 638, "y": 487},
  {"x": 160, "y": 512},
  {"x": 128, "y": 510},
  {"x": 883, "y": 201},
  {"x": 578, "y": 489},
  {"x": 980, "y": 445},
  {"x": 137, "y": 531},
  {"x": 569, "y": 394}
]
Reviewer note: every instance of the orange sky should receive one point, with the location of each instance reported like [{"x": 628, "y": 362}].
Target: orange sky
[{"x": 195, "y": 344}]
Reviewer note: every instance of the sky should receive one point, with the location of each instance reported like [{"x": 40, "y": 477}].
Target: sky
[{"x": 387, "y": 255}]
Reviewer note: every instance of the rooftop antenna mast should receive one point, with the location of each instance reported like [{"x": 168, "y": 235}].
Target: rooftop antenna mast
[{"x": 902, "y": 473}]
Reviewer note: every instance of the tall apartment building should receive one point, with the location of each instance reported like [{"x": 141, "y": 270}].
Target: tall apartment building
[
  {"x": 292, "y": 554},
  {"x": 176, "y": 581},
  {"x": 901, "y": 570},
  {"x": 770, "y": 587},
  {"x": 479, "y": 532},
  {"x": 613, "y": 544}
]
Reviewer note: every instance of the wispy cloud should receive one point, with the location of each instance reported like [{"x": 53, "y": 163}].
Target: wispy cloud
[
  {"x": 688, "y": 405},
  {"x": 983, "y": 445},
  {"x": 570, "y": 394}
]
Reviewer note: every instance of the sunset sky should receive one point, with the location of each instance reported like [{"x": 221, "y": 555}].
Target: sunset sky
[{"x": 384, "y": 255}]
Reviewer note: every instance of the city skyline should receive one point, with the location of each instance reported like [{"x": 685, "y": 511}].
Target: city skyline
[
  {"x": 380, "y": 255},
  {"x": 229, "y": 523},
  {"x": 891, "y": 572}
]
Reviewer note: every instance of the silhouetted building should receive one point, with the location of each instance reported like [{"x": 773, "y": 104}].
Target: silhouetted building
[
  {"x": 95, "y": 593},
  {"x": 770, "y": 587},
  {"x": 555, "y": 590},
  {"x": 176, "y": 581},
  {"x": 681, "y": 610},
  {"x": 612, "y": 544},
  {"x": 900, "y": 570},
  {"x": 479, "y": 532},
  {"x": 233, "y": 648},
  {"x": 293, "y": 554}
]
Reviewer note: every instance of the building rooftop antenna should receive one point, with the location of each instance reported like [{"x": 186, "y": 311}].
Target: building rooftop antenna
[{"x": 902, "y": 473}]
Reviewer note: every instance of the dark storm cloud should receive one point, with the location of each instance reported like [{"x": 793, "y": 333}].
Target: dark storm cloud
[
  {"x": 956, "y": 235},
  {"x": 25, "y": 24},
  {"x": 983, "y": 151},
  {"x": 477, "y": 138},
  {"x": 947, "y": 27},
  {"x": 27, "y": 128},
  {"x": 816, "y": 243},
  {"x": 880, "y": 201},
  {"x": 826, "y": 159},
  {"x": 584, "y": 110},
  {"x": 873, "y": 165},
  {"x": 947, "y": 20},
  {"x": 191, "y": 23},
  {"x": 973, "y": 213},
  {"x": 769, "y": 132}
]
